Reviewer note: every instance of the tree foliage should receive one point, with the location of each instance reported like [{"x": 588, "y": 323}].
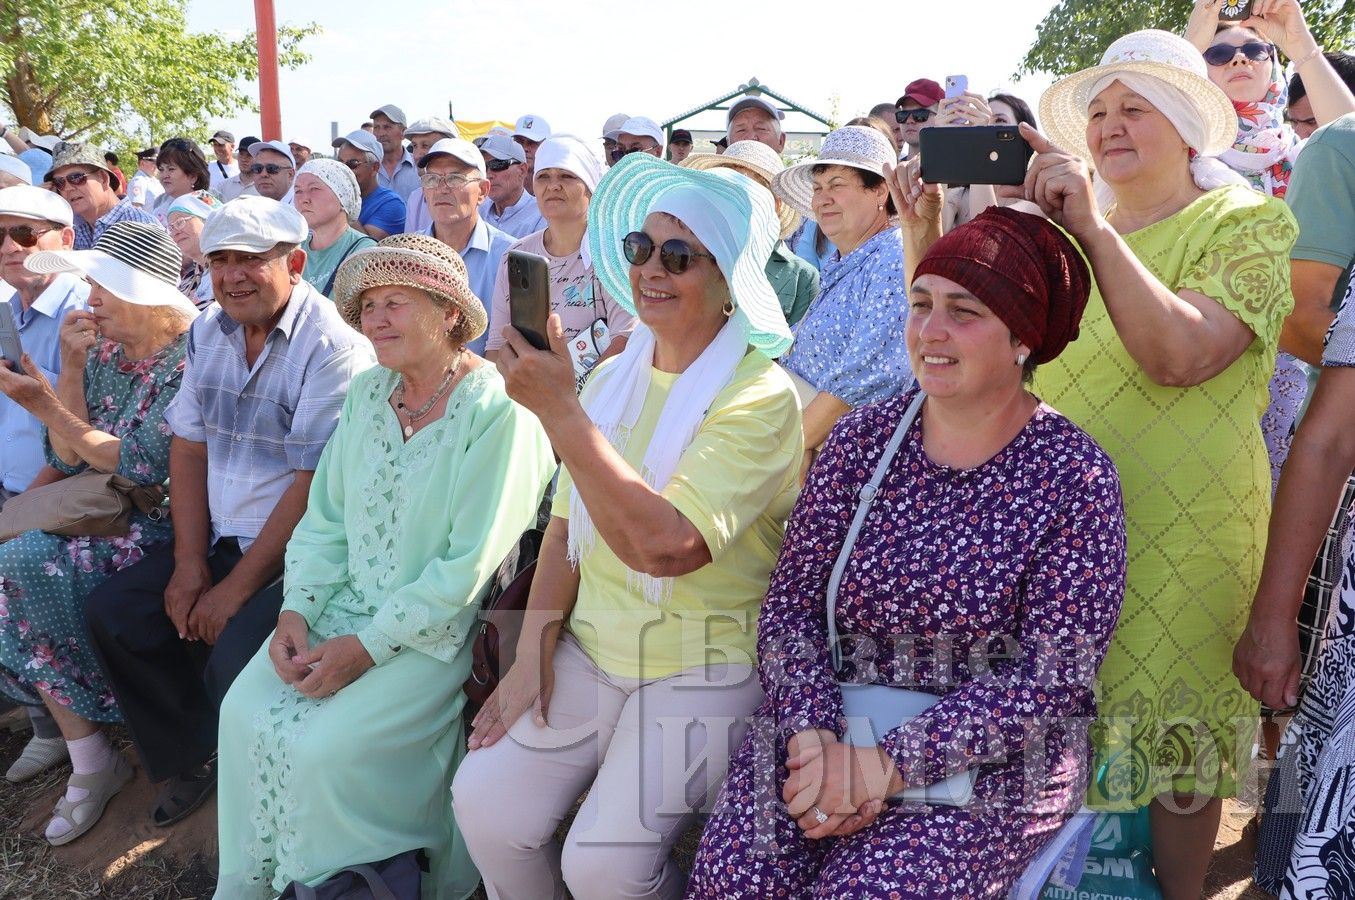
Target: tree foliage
[
  {"x": 1076, "y": 32},
  {"x": 101, "y": 69}
]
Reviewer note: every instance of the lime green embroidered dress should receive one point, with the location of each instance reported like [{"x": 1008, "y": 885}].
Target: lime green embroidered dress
[
  {"x": 1196, "y": 484},
  {"x": 397, "y": 540}
]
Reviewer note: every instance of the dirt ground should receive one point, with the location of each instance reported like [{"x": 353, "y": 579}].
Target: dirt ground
[{"x": 126, "y": 858}]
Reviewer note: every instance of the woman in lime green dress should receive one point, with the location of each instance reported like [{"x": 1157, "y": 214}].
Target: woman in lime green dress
[{"x": 1169, "y": 375}]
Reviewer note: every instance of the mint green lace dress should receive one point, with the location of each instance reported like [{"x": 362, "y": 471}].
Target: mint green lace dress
[{"x": 397, "y": 541}]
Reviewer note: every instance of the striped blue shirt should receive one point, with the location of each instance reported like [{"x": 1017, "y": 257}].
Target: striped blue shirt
[
  {"x": 125, "y": 211},
  {"x": 263, "y": 423}
]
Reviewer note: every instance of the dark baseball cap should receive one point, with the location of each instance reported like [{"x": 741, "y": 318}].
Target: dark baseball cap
[
  {"x": 223, "y": 137},
  {"x": 680, "y": 136}
]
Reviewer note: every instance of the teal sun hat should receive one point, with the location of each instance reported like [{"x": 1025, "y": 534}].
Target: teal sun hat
[{"x": 735, "y": 218}]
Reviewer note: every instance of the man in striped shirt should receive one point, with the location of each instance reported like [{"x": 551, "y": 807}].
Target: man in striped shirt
[{"x": 82, "y": 176}]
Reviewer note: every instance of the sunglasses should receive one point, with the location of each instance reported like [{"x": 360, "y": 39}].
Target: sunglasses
[
  {"x": 75, "y": 179},
  {"x": 354, "y": 164},
  {"x": 23, "y": 235},
  {"x": 500, "y": 165},
  {"x": 270, "y": 168},
  {"x": 675, "y": 255},
  {"x": 904, "y": 116},
  {"x": 1222, "y": 54}
]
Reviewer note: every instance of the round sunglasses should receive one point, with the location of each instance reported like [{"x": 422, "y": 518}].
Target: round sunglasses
[
  {"x": 1222, "y": 54},
  {"x": 675, "y": 255}
]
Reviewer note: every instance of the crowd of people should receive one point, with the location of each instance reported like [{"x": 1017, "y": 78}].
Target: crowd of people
[{"x": 1052, "y": 462}]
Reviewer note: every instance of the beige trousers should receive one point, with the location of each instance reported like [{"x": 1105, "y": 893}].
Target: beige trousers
[{"x": 651, "y": 756}]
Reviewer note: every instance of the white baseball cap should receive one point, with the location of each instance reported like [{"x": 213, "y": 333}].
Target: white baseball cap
[
  {"x": 12, "y": 165},
  {"x": 642, "y": 126},
  {"x": 433, "y": 125},
  {"x": 276, "y": 147},
  {"x": 390, "y": 111},
  {"x": 40, "y": 204},
  {"x": 47, "y": 142},
  {"x": 457, "y": 148},
  {"x": 745, "y": 102},
  {"x": 533, "y": 128},
  {"x": 362, "y": 140},
  {"x": 503, "y": 147},
  {"x": 612, "y": 127},
  {"x": 253, "y": 224}
]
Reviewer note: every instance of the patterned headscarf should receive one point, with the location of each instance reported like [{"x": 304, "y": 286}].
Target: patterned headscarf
[
  {"x": 1266, "y": 146},
  {"x": 339, "y": 179}
]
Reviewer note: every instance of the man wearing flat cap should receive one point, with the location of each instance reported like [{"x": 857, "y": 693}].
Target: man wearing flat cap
[
  {"x": 398, "y": 170},
  {"x": 422, "y": 135},
  {"x": 32, "y": 220},
  {"x": 268, "y": 369},
  {"x": 83, "y": 178}
]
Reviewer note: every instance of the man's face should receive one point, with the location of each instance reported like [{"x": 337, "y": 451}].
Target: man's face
[
  {"x": 223, "y": 150},
  {"x": 638, "y": 143},
  {"x": 245, "y": 160},
  {"x": 529, "y": 147},
  {"x": 756, "y": 124},
  {"x": 50, "y": 235},
  {"x": 275, "y": 184},
  {"x": 300, "y": 152},
  {"x": 420, "y": 144},
  {"x": 363, "y": 169},
  {"x": 453, "y": 202},
  {"x": 1301, "y": 117},
  {"x": 609, "y": 151},
  {"x": 679, "y": 151},
  {"x": 146, "y": 165},
  {"x": 89, "y": 199},
  {"x": 507, "y": 177},
  {"x": 387, "y": 133},
  {"x": 910, "y": 129},
  {"x": 254, "y": 287}
]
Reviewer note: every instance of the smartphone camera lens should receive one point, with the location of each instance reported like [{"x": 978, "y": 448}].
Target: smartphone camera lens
[{"x": 1006, "y": 134}]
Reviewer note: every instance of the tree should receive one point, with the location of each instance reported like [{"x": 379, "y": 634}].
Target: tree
[
  {"x": 96, "y": 70},
  {"x": 1076, "y": 32}
]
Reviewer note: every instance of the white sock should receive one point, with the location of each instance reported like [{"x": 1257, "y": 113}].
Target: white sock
[{"x": 89, "y": 756}]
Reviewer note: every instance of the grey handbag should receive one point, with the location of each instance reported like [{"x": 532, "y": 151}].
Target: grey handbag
[
  {"x": 397, "y": 878},
  {"x": 873, "y": 709}
]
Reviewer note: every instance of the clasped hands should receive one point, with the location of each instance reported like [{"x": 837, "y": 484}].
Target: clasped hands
[
  {"x": 319, "y": 671},
  {"x": 847, "y": 785}
]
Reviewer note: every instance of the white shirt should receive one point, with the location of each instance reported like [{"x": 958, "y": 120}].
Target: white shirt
[
  {"x": 222, "y": 172},
  {"x": 143, "y": 189}
]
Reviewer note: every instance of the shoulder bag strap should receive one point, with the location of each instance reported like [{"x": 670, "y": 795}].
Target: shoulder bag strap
[
  {"x": 866, "y": 496},
  {"x": 375, "y": 883}
]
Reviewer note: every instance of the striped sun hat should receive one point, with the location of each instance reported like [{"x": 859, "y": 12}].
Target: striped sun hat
[{"x": 135, "y": 261}]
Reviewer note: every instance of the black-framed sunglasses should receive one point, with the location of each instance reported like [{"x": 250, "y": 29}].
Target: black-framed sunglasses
[
  {"x": 23, "y": 235},
  {"x": 675, "y": 255},
  {"x": 270, "y": 168},
  {"x": 904, "y": 116},
  {"x": 500, "y": 165},
  {"x": 75, "y": 179},
  {"x": 1222, "y": 54}
]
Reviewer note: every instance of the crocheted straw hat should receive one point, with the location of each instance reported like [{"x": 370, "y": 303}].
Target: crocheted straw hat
[
  {"x": 1161, "y": 54},
  {"x": 752, "y": 157},
  {"x": 414, "y": 260},
  {"x": 856, "y": 146}
]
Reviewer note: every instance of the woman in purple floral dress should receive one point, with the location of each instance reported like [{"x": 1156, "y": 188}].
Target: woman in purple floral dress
[
  {"x": 123, "y": 363},
  {"x": 989, "y": 572}
]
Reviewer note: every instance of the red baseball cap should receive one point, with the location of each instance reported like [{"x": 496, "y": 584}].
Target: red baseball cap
[{"x": 923, "y": 91}]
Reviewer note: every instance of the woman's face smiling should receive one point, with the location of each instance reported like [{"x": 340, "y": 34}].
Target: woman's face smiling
[
  {"x": 683, "y": 304},
  {"x": 957, "y": 346}
]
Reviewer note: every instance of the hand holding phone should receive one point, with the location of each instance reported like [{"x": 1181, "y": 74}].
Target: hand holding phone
[
  {"x": 1235, "y": 10},
  {"x": 10, "y": 347},
  {"x": 529, "y": 296},
  {"x": 983, "y": 154}
]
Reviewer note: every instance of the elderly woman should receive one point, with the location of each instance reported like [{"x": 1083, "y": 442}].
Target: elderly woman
[
  {"x": 849, "y": 347},
  {"x": 182, "y": 169},
  {"x": 1170, "y": 375},
  {"x": 680, "y": 465},
  {"x": 795, "y": 281},
  {"x": 939, "y": 554},
  {"x": 187, "y": 214},
  {"x": 122, "y": 364},
  {"x": 326, "y": 194},
  {"x": 339, "y": 739},
  {"x": 595, "y": 325}
]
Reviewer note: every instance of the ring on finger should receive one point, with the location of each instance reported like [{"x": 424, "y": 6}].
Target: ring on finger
[{"x": 819, "y": 815}]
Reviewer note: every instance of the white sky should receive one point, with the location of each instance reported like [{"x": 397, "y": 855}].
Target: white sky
[{"x": 575, "y": 62}]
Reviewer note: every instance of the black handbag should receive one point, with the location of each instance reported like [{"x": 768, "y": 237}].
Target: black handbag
[{"x": 397, "y": 878}]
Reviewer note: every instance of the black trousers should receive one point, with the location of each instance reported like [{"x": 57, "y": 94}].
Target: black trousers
[{"x": 170, "y": 690}]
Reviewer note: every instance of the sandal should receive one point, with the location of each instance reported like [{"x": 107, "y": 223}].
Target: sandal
[
  {"x": 82, "y": 815},
  {"x": 183, "y": 794}
]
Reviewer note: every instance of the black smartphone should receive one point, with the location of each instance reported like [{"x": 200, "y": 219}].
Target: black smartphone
[
  {"x": 10, "y": 348},
  {"x": 977, "y": 154},
  {"x": 1235, "y": 10},
  {"x": 529, "y": 296}
]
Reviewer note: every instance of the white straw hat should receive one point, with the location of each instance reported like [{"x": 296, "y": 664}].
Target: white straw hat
[
  {"x": 136, "y": 261},
  {"x": 1171, "y": 59},
  {"x": 857, "y": 146},
  {"x": 752, "y": 157}
]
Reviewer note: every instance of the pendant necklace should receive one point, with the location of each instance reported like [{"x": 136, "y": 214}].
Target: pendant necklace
[{"x": 412, "y": 416}]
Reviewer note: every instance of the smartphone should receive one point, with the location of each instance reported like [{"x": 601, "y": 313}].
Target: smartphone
[
  {"x": 1235, "y": 10},
  {"x": 981, "y": 154},
  {"x": 10, "y": 348},
  {"x": 529, "y": 296},
  {"x": 956, "y": 85}
]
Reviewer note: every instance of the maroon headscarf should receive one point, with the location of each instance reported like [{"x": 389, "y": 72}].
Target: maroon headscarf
[{"x": 1024, "y": 269}]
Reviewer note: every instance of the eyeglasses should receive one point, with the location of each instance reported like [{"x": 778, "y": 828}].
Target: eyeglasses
[
  {"x": 1310, "y": 122},
  {"x": 270, "y": 168},
  {"x": 1222, "y": 54},
  {"x": 23, "y": 235},
  {"x": 675, "y": 255},
  {"x": 904, "y": 116},
  {"x": 500, "y": 165},
  {"x": 75, "y": 179},
  {"x": 434, "y": 180}
]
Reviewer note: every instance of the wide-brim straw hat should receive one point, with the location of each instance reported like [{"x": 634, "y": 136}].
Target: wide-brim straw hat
[
  {"x": 752, "y": 157},
  {"x": 412, "y": 260},
  {"x": 1161, "y": 54},
  {"x": 856, "y": 146},
  {"x": 633, "y": 186},
  {"x": 135, "y": 261}
]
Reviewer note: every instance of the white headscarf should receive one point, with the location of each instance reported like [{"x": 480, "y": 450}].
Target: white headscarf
[
  {"x": 1208, "y": 172},
  {"x": 339, "y": 179},
  {"x": 565, "y": 151}
]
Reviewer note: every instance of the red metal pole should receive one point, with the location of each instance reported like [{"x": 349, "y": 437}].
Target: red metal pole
[{"x": 270, "y": 110}]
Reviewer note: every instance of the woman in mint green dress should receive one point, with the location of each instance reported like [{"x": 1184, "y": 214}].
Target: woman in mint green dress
[{"x": 340, "y": 738}]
